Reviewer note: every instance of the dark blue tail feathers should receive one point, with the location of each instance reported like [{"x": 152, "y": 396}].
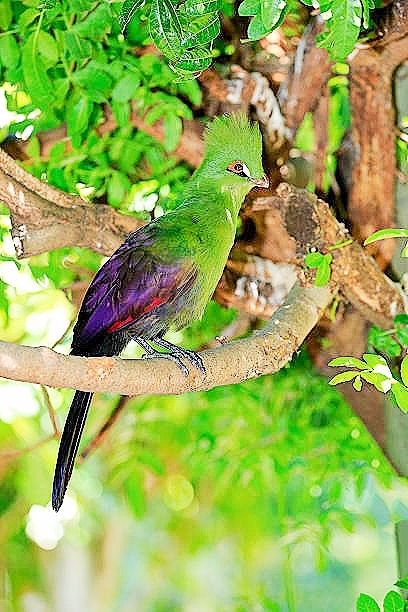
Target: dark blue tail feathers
[{"x": 69, "y": 444}]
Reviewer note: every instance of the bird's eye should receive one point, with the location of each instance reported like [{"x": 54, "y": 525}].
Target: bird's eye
[{"x": 237, "y": 167}]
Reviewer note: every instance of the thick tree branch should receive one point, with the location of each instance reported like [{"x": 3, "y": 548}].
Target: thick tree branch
[
  {"x": 45, "y": 218},
  {"x": 310, "y": 223},
  {"x": 267, "y": 351}
]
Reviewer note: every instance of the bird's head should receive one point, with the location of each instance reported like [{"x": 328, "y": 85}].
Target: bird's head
[{"x": 233, "y": 153}]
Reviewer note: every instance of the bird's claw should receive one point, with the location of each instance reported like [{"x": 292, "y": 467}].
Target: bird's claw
[{"x": 175, "y": 354}]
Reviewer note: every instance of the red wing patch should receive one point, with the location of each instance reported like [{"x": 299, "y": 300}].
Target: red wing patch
[{"x": 119, "y": 324}]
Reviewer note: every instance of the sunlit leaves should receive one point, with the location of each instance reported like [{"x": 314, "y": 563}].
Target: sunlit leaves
[
  {"x": 374, "y": 370},
  {"x": 267, "y": 15},
  {"x": 393, "y": 602},
  {"x": 344, "y": 21},
  {"x": 35, "y": 74},
  {"x": 365, "y": 603},
  {"x": 183, "y": 31},
  {"x": 165, "y": 28},
  {"x": 322, "y": 264},
  {"x": 128, "y": 9},
  {"x": 389, "y": 233}
]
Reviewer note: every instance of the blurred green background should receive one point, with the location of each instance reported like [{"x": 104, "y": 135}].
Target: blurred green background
[{"x": 264, "y": 496}]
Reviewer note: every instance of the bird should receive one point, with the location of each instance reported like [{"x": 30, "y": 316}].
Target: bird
[{"x": 163, "y": 275}]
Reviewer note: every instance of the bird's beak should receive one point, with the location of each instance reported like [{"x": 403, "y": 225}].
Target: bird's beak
[{"x": 262, "y": 182}]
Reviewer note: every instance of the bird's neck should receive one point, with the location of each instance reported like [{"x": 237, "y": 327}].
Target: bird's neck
[{"x": 219, "y": 193}]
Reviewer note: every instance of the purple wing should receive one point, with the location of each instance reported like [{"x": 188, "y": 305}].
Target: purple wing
[{"x": 129, "y": 289}]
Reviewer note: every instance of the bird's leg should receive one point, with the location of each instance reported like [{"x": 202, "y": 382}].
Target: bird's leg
[{"x": 175, "y": 354}]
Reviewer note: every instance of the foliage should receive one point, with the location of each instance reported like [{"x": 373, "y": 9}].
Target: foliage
[
  {"x": 374, "y": 368},
  {"x": 74, "y": 66},
  {"x": 393, "y": 602},
  {"x": 392, "y": 342},
  {"x": 322, "y": 264},
  {"x": 389, "y": 233},
  {"x": 344, "y": 20},
  {"x": 183, "y": 31}
]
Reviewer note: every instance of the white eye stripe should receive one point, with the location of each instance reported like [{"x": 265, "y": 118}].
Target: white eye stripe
[
  {"x": 245, "y": 170},
  {"x": 238, "y": 167}
]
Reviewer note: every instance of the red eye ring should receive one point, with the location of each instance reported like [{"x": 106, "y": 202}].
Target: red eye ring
[{"x": 239, "y": 168}]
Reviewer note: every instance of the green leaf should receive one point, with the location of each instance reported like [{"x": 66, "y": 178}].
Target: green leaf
[
  {"x": 135, "y": 496},
  {"x": 384, "y": 342},
  {"x": 201, "y": 31},
  {"x": 348, "y": 362},
  {"x": 61, "y": 88},
  {"x": 154, "y": 114},
  {"x": 403, "y": 582},
  {"x": 248, "y": 8},
  {"x": 165, "y": 28},
  {"x": 404, "y": 252},
  {"x": 400, "y": 393},
  {"x": 272, "y": 11},
  {"x": 386, "y": 233},
  {"x": 78, "y": 115},
  {"x": 27, "y": 17},
  {"x": 196, "y": 8},
  {"x": 401, "y": 319},
  {"x": 173, "y": 128},
  {"x": 121, "y": 112},
  {"x": 323, "y": 272},
  {"x": 127, "y": 11},
  {"x": 374, "y": 360},
  {"x": 393, "y": 602},
  {"x": 6, "y": 14},
  {"x": 97, "y": 24},
  {"x": 343, "y": 377},
  {"x": 401, "y": 324},
  {"x": 357, "y": 383},
  {"x": 314, "y": 260},
  {"x": 38, "y": 83},
  {"x": 381, "y": 382},
  {"x": 118, "y": 185},
  {"x": 9, "y": 51},
  {"x": 404, "y": 370},
  {"x": 126, "y": 88},
  {"x": 75, "y": 47},
  {"x": 192, "y": 90},
  {"x": 194, "y": 60},
  {"x": 268, "y": 15},
  {"x": 94, "y": 80},
  {"x": 365, "y": 603},
  {"x": 47, "y": 46},
  {"x": 343, "y": 28},
  {"x": 256, "y": 28}
]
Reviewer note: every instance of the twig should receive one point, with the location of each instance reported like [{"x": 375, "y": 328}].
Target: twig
[{"x": 104, "y": 430}]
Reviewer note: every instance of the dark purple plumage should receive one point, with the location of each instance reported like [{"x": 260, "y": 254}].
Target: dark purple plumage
[{"x": 134, "y": 295}]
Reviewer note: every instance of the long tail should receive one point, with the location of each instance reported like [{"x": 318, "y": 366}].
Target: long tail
[{"x": 69, "y": 444}]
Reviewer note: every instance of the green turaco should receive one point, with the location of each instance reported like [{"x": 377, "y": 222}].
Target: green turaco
[{"x": 163, "y": 275}]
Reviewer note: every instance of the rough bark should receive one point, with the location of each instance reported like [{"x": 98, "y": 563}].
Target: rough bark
[{"x": 267, "y": 351}]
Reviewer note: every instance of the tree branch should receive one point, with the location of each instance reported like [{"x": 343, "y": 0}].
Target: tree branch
[
  {"x": 267, "y": 351},
  {"x": 44, "y": 218},
  {"x": 310, "y": 223}
]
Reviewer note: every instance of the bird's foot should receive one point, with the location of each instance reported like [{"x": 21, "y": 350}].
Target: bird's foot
[{"x": 175, "y": 354}]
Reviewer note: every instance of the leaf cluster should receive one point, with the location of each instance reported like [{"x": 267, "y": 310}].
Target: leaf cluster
[
  {"x": 393, "y": 602},
  {"x": 183, "y": 31},
  {"x": 322, "y": 264},
  {"x": 344, "y": 21},
  {"x": 374, "y": 369},
  {"x": 68, "y": 64}
]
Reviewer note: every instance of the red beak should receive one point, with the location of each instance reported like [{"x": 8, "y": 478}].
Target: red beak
[{"x": 262, "y": 182}]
